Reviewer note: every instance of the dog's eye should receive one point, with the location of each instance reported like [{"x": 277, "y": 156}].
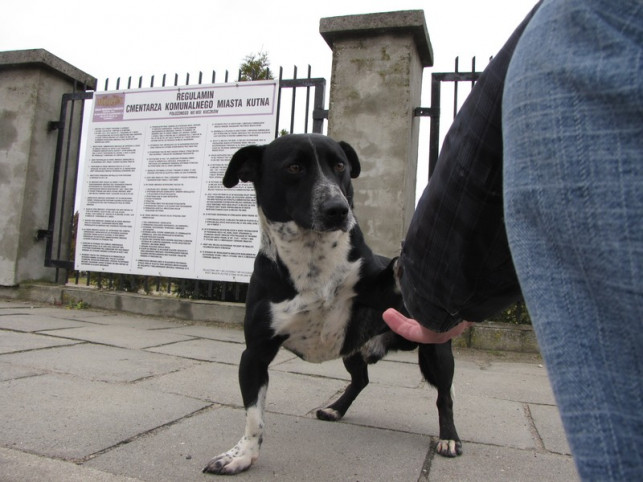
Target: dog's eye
[
  {"x": 340, "y": 167},
  {"x": 294, "y": 168}
]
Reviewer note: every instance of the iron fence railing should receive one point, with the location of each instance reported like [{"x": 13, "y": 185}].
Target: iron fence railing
[
  {"x": 435, "y": 111},
  {"x": 293, "y": 114},
  {"x": 63, "y": 221}
]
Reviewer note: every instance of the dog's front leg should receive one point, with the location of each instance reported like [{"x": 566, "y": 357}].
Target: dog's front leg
[
  {"x": 253, "y": 378},
  {"x": 437, "y": 366}
]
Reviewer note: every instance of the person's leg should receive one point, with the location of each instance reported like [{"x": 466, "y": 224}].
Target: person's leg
[{"x": 573, "y": 187}]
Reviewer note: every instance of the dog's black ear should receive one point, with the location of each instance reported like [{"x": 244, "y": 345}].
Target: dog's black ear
[
  {"x": 244, "y": 166},
  {"x": 352, "y": 158}
]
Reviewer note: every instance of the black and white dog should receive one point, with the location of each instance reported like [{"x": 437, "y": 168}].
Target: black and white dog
[{"x": 317, "y": 289}]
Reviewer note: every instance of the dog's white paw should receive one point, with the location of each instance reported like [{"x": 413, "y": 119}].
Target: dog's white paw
[
  {"x": 328, "y": 414},
  {"x": 237, "y": 459},
  {"x": 449, "y": 448}
]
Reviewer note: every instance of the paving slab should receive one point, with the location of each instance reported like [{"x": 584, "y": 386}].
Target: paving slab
[
  {"x": 230, "y": 334},
  {"x": 294, "y": 449},
  {"x": 288, "y": 393},
  {"x": 31, "y": 323},
  {"x": 70, "y": 418},
  {"x": 119, "y": 407},
  {"x": 14, "y": 465},
  {"x": 99, "y": 362},
  {"x": 493, "y": 421},
  {"x": 213, "y": 350},
  {"x": 121, "y": 336},
  {"x": 293, "y": 394},
  {"x": 496, "y": 463},
  {"x": 20, "y": 307},
  {"x": 14, "y": 304},
  {"x": 93, "y": 316},
  {"x": 386, "y": 372},
  {"x": 327, "y": 369},
  {"x": 9, "y": 371},
  {"x": 215, "y": 382},
  {"x": 396, "y": 408},
  {"x": 134, "y": 321},
  {"x": 11, "y": 342},
  {"x": 550, "y": 428},
  {"x": 203, "y": 349},
  {"x": 527, "y": 383}
]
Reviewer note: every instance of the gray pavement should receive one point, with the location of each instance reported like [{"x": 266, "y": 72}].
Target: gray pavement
[{"x": 94, "y": 395}]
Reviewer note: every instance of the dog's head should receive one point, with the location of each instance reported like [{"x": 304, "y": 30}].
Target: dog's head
[{"x": 305, "y": 178}]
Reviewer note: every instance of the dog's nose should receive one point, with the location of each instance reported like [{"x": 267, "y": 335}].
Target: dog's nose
[{"x": 335, "y": 211}]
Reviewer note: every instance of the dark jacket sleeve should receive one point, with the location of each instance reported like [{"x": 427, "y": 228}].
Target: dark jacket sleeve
[{"x": 455, "y": 261}]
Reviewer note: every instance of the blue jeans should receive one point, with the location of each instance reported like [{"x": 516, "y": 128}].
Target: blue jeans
[{"x": 573, "y": 198}]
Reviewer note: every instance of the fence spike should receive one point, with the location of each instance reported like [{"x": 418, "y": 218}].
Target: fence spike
[
  {"x": 473, "y": 69},
  {"x": 292, "y": 108}
]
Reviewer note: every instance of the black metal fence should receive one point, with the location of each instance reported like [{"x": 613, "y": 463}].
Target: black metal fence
[
  {"x": 435, "y": 111},
  {"x": 297, "y": 108},
  {"x": 295, "y": 112},
  {"x": 58, "y": 235}
]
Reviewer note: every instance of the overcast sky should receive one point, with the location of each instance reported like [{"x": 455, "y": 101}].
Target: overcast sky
[{"x": 121, "y": 38}]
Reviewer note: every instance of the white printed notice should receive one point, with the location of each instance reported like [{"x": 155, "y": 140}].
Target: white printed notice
[{"x": 153, "y": 200}]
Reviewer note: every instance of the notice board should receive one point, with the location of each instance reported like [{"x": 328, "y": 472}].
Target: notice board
[{"x": 153, "y": 201}]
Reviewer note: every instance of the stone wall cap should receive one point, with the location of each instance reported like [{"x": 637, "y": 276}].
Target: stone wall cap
[
  {"x": 367, "y": 25},
  {"x": 41, "y": 57}
]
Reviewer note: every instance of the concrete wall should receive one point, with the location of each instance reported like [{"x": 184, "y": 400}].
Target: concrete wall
[
  {"x": 140, "y": 304},
  {"x": 32, "y": 83},
  {"x": 376, "y": 83}
]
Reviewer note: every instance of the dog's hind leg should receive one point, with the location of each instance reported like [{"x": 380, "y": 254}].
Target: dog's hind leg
[
  {"x": 437, "y": 366},
  {"x": 357, "y": 365},
  {"x": 358, "y": 370},
  {"x": 253, "y": 378}
]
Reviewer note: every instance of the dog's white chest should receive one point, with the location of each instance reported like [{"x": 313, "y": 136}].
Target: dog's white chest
[
  {"x": 316, "y": 328},
  {"x": 315, "y": 320}
]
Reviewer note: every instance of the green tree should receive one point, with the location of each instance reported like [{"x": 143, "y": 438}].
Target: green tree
[
  {"x": 516, "y": 314},
  {"x": 255, "y": 67}
]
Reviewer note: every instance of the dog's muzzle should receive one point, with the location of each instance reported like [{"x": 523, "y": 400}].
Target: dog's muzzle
[
  {"x": 331, "y": 210},
  {"x": 333, "y": 214}
]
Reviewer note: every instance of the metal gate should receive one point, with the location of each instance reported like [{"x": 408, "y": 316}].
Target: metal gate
[
  {"x": 435, "y": 111},
  {"x": 61, "y": 231},
  {"x": 59, "y": 234}
]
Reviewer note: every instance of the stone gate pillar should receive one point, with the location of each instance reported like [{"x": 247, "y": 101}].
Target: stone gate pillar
[
  {"x": 32, "y": 83},
  {"x": 376, "y": 83}
]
